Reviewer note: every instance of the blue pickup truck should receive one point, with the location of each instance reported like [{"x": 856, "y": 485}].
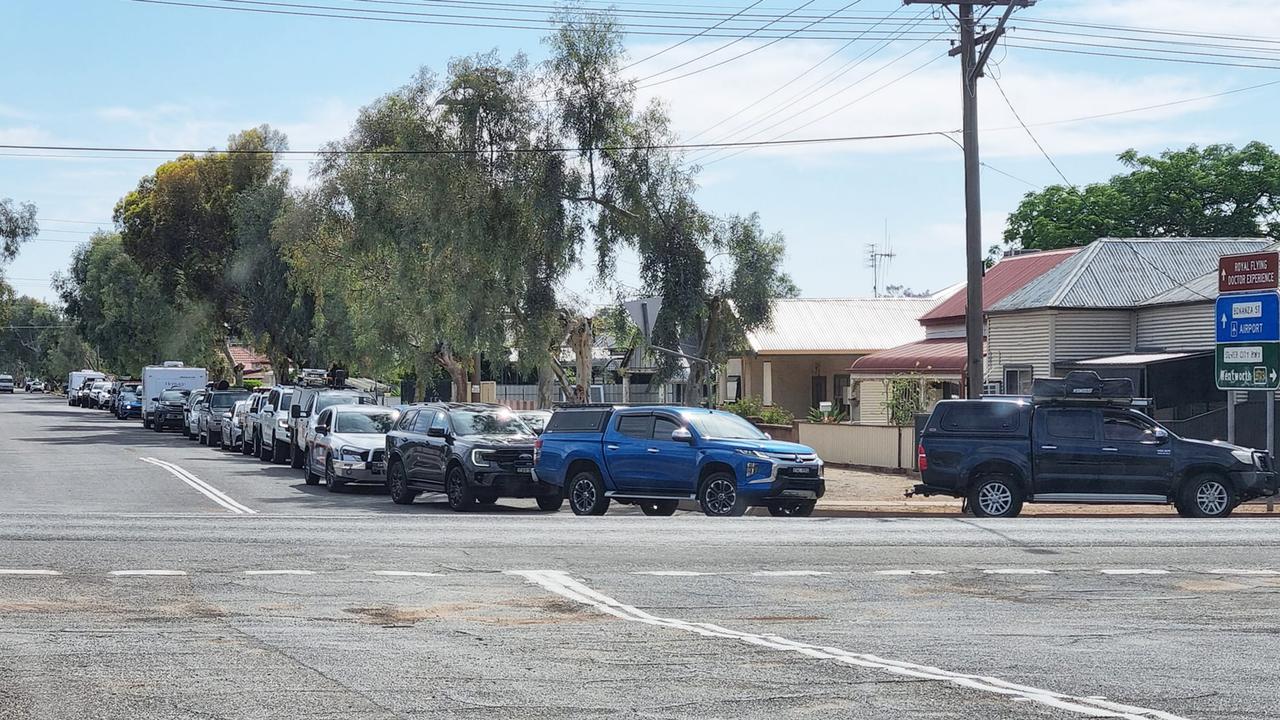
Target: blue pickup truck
[{"x": 656, "y": 456}]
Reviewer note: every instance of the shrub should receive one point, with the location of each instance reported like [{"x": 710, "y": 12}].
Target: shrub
[{"x": 774, "y": 415}]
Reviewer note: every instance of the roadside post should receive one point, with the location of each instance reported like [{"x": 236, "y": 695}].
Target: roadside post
[{"x": 1247, "y": 331}]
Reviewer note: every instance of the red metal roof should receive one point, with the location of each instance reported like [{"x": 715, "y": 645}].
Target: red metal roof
[
  {"x": 944, "y": 355},
  {"x": 1002, "y": 280},
  {"x": 248, "y": 357}
]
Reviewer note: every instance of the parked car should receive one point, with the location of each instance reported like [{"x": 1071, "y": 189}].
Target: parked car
[
  {"x": 76, "y": 382},
  {"x": 306, "y": 404},
  {"x": 233, "y": 436},
  {"x": 92, "y": 396},
  {"x": 535, "y": 419},
  {"x": 171, "y": 375},
  {"x": 655, "y": 457},
  {"x": 248, "y": 423},
  {"x": 128, "y": 405},
  {"x": 191, "y": 413},
  {"x": 6, "y": 384},
  {"x": 473, "y": 452},
  {"x": 35, "y": 386},
  {"x": 1000, "y": 453},
  {"x": 271, "y": 425},
  {"x": 216, "y": 414},
  {"x": 169, "y": 410},
  {"x": 349, "y": 445}
]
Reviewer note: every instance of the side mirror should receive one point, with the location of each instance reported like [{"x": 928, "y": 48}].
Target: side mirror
[
  {"x": 435, "y": 432},
  {"x": 322, "y": 429},
  {"x": 295, "y": 412},
  {"x": 682, "y": 435},
  {"x": 266, "y": 409},
  {"x": 155, "y": 399},
  {"x": 1161, "y": 435}
]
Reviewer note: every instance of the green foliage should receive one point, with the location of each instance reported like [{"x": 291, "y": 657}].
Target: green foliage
[
  {"x": 17, "y": 225},
  {"x": 1215, "y": 191},
  {"x": 829, "y": 417},
  {"x": 774, "y": 415},
  {"x": 747, "y": 407},
  {"x": 251, "y": 384},
  {"x": 903, "y": 400}
]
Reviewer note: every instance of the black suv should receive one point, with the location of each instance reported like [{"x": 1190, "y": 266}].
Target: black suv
[
  {"x": 169, "y": 410},
  {"x": 473, "y": 452}
]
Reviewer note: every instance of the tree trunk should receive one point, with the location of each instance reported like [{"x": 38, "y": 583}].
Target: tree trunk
[
  {"x": 475, "y": 379},
  {"x": 553, "y": 365},
  {"x": 457, "y": 373},
  {"x": 546, "y": 384},
  {"x": 581, "y": 340}
]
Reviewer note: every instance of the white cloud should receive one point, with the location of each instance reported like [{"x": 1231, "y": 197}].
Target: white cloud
[
  {"x": 23, "y": 135},
  {"x": 1249, "y": 18}
]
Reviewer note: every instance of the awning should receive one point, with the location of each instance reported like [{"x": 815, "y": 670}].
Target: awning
[
  {"x": 942, "y": 356},
  {"x": 1134, "y": 359}
]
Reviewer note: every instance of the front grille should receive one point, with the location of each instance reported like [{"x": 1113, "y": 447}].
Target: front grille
[
  {"x": 512, "y": 458},
  {"x": 379, "y": 455},
  {"x": 793, "y": 457},
  {"x": 801, "y": 483}
]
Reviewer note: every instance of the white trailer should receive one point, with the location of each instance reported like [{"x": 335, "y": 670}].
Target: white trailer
[
  {"x": 169, "y": 376},
  {"x": 76, "y": 379}
]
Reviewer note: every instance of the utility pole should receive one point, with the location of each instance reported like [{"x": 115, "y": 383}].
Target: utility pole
[{"x": 972, "y": 64}]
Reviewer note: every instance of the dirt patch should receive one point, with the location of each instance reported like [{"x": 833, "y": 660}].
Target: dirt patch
[
  {"x": 547, "y": 611},
  {"x": 1211, "y": 586}
]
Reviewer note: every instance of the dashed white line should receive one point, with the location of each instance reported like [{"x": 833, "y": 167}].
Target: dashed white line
[
  {"x": 1133, "y": 571},
  {"x": 1018, "y": 571},
  {"x": 562, "y": 584},
  {"x": 789, "y": 573},
  {"x": 672, "y": 573},
  {"x": 910, "y": 572},
  {"x": 403, "y": 573},
  {"x": 24, "y": 571},
  {"x": 163, "y": 573},
  {"x": 279, "y": 572},
  {"x": 201, "y": 487},
  {"x": 1236, "y": 571}
]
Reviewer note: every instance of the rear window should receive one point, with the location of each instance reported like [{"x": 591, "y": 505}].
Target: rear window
[
  {"x": 577, "y": 421},
  {"x": 981, "y": 417},
  {"x": 1071, "y": 424}
]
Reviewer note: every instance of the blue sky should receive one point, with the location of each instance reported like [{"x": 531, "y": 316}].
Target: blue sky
[{"x": 121, "y": 73}]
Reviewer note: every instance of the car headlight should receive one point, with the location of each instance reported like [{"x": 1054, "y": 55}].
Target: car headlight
[
  {"x": 1243, "y": 456},
  {"x": 351, "y": 455},
  {"x": 480, "y": 458},
  {"x": 752, "y": 453}
]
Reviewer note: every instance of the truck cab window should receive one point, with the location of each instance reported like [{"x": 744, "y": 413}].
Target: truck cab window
[
  {"x": 1125, "y": 428},
  {"x": 636, "y": 426},
  {"x": 1071, "y": 424}
]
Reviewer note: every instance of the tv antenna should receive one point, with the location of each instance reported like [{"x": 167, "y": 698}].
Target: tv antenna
[{"x": 878, "y": 260}]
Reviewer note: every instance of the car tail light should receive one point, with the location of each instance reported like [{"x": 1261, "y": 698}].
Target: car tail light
[
  {"x": 537, "y": 450},
  {"x": 922, "y": 460}
]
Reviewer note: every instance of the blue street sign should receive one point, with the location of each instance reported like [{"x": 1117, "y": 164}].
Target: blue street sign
[{"x": 1248, "y": 317}]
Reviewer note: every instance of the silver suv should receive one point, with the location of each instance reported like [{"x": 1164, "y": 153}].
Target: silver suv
[
  {"x": 270, "y": 425},
  {"x": 306, "y": 406}
]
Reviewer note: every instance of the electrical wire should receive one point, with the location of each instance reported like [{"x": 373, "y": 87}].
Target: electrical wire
[
  {"x": 1030, "y": 134},
  {"x": 669, "y": 48},
  {"x": 1141, "y": 57}
]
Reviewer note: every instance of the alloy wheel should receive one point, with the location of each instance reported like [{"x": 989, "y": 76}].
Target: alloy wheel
[
  {"x": 1212, "y": 498},
  {"x": 722, "y": 495},
  {"x": 995, "y": 498},
  {"x": 583, "y": 497}
]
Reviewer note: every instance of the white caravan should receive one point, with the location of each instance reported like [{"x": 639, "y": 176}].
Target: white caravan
[{"x": 170, "y": 376}]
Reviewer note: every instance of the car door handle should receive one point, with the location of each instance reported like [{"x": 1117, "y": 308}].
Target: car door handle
[
  {"x": 611, "y": 447},
  {"x": 653, "y": 450},
  {"x": 1110, "y": 449},
  {"x": 1048, "y": 447}
]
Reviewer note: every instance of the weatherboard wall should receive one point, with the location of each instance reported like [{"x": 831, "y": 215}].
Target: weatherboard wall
[
  {"x": 1019, "y": 340},
  {"x": 1176, "y": 327},
  {"x": 1085, "y": 334}
]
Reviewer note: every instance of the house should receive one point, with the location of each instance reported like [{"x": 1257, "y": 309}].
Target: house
[
  {"x": 938, "y": 360},
  {"x": 255, "y": 365},
  {"x": 1125, "y": 307},
  {"x": 802, "y": 358}
]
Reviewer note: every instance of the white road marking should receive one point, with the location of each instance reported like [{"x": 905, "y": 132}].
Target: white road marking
[
  {"x": 403, "y": 573},
  {"x": 562, "y": 584},
  {"x": 1018, "y": 571},
  {"x": 1133, "y": 571},
  {"x": 21, "y": 571},
  {"x": 165, "y": 573},
  {"x": 672, "y": 573},
  {"x": 279, "y": 572},
  {"x": 910, "y": 572},
  {"x": 1236, "y": 571},
  {"x": 202, "y": 487},
  {"x": 789, "y": 573}
]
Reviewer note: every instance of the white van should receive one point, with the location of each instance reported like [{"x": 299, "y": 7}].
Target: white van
[
  {"x": 76, "y": 379},
  {"x": 170, "y": 376}
]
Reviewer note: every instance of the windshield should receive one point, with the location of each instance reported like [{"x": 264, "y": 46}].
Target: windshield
[
  {"x": 226, "y": 400},
  {"x": 129, "y": 396},
  {"x": 724, "y": 425},
  {"x": 354, "y": 421},
  {"x": 488, "y": 422},
  {"x": 97, "y": 386},
  {"x": 172, "y": 396},
  {"x": 325, "y": 401}
]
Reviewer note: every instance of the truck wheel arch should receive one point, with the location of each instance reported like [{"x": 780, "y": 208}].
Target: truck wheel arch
[
  {"x": 996, "y": 467},
  {"x": 714, "y": 466},
  {"x": 581, "y": 465},
  {"x": 1191, "y": 473}
]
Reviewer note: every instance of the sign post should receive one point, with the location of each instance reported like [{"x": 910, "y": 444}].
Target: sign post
[{"x": 1247, "y": 329}]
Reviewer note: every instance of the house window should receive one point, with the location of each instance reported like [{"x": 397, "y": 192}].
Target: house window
[
  {"x": 768, "y": 383},
  {"x": 1017, "y": 380},
  {"x": 841, "y": 389},
  {"x": 733, "y": 388}
]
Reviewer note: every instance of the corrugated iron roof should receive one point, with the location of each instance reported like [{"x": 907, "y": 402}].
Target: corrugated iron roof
[
  {"x": 1002, "y": 279},
  {"x": 840, "y": 325},
  {"x": 939, "y": 355},
  {"x": 1124, "y": 272},
  {"x": 1202, "y": 289}
]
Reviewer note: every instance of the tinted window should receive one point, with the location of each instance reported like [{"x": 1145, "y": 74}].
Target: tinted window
[
  {"x": 358, "y": 422},
  {"x": 423, "y": 421},
  {"x": 636, "y": 426},
  {"x": 173, "y": 396},
  {"x": 577, "y": 421},
  {"x": 981, "y": 417},
  {"x": 663, "y": 427},
  {"x": 441, "y": 422},
  {"x": 1125, "y": 428},
  {"x": 1070, "y": 424},
  {"x": 406, "y": 420},
  {"x": 226, "y": 400},
  {"x": 724, "y": 425},
  {"x": 487, "y": 422},
  {"x": 324, "y": 401}
]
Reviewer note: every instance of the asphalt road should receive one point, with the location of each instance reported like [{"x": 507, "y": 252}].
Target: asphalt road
[{"x": 126, "y": 592}]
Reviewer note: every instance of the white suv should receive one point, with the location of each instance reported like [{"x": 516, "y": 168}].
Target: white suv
[
  {"x": 6, "y": 384},
  {"x": 271, "y": 425}
]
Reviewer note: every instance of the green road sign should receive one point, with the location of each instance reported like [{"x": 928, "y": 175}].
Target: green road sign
[{"x": 1247, "y": 366}]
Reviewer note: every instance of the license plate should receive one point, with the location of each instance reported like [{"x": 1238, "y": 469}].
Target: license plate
[
  {"x": 378, "y": 468},
  {"x": 525, "y": 471},
  {"x": 802, "y": 471}
]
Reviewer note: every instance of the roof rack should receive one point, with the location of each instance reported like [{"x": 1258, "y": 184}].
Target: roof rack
[{"x": 1085, "y": 387}]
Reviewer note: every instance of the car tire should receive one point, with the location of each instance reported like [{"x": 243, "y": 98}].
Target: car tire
[
  {"x": 659, "y": 508},
  {"x": 461, "y": 496},
  {"x": 146, "y": 424},
  {"x": 718, "y": 496},
  {"x": 803, "y": 508},
  {"x": 246, "y": 446},
  {"x": 331, "y": 481},
  {"x": 398, "y": 485},
  {"x": 279, "y": 452},
  {"x": 309, "y": 472},
  {"x": 264, "y": 450},
  {"x": 586, "y": 494},
  {"x": 295, "y": 457},
  {"x": 1207, "y": 496},
  {"x": 996, "y": 495},
  {"x": 550, "y": 503},
  {"x": 487, "y": 498}
]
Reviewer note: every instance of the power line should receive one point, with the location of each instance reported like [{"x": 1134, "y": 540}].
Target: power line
[
  {"x": 1009, "y": 175},
  {"x": 1156, "y": 31},
  {"x": 1140, "y": 57},
  {"x": 1030, "y": 134},
  {"x": 1114, "y": 46},
  {"x": 669, "y": 48},
  {"x": 77, "y": 222}
]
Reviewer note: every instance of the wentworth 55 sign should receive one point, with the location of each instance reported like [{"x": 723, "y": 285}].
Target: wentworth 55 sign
[{"x": 1247, "y": 366}]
